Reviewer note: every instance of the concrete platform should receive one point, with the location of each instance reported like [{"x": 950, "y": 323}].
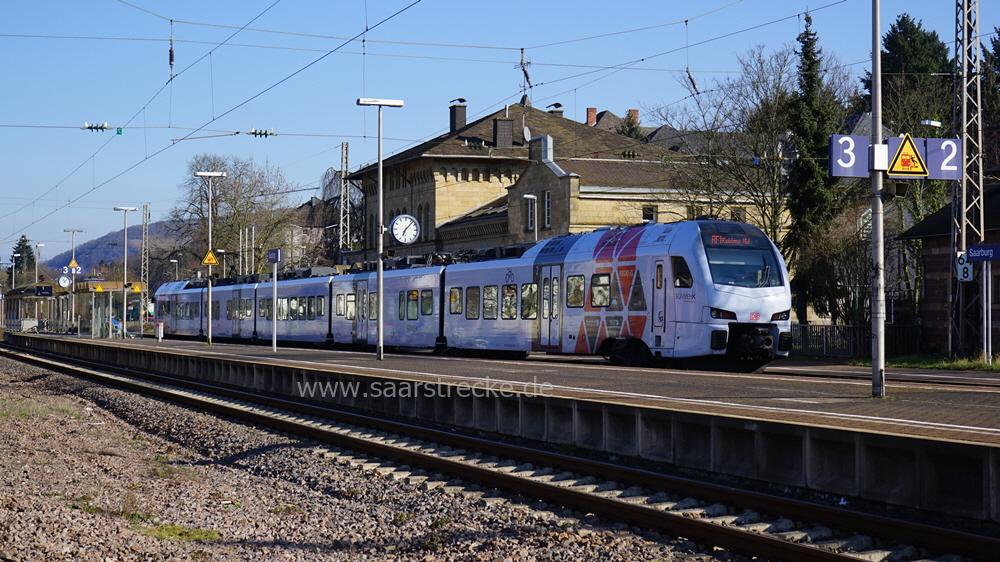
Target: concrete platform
[{"x": 927, "y": 446}]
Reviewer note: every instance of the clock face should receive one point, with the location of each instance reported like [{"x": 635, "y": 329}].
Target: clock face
[
  {"x": 405, "y": 229},
  {"x": 64, "y": 281}
]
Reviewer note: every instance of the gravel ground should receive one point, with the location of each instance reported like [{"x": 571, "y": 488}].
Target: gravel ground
[{"x": 89, "y": 472}]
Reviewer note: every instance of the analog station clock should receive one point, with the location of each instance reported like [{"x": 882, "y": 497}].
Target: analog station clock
[{"x": 405, "y": 229}]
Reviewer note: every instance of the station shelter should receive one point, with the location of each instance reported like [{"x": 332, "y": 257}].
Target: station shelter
[{"x": 91, "y": 307}]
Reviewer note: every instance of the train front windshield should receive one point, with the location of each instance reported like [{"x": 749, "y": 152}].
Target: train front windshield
[{"x": 740, "y": 255}]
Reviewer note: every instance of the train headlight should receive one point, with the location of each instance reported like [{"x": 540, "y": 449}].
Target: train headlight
[
  {"x": 783, "y": 315},
  {"x": 721, "y": 314}
]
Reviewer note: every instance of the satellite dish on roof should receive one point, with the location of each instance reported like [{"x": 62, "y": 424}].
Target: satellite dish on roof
[{"x": 527, "y": 134}]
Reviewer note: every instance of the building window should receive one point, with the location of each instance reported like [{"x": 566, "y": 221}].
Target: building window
[
  {"x": 738, "y": 214},
  {"x": 649, "y": 213},
  {"x": 694, "y": 211},
  {"x": 547, "y": 209},
  {"x": 530, "y": 210}
]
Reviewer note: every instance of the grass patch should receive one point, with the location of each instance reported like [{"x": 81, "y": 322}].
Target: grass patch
[
  {"x": 163, "y": 469},
  {"x": 934, "y": 361},
  {"x": 440, "y": 523},
  {"x": 24, "y": 409},
  {"x": 434, "y": 541},
  {"x": 179, "y": 533},
  {"x": 401, "y": 518},
  {"x": 286, "y": 510}
]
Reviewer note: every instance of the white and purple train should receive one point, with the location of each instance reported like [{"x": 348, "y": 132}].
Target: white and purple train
[{"x": 707, "y": 292}]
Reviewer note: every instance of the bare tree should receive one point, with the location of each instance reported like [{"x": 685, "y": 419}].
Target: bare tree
[
  {"x": 250, "y": 195},
  {"x": 732, "y": 141}
]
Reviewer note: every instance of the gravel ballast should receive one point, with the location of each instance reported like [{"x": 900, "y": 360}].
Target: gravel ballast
[{"x": 90, "y": 472}]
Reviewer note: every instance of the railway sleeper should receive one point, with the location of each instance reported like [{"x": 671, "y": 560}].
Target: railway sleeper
[
  {"x": 810, "y": 535},
  {"x": 744, "y": 518},
  {"x": 777, "y": 526},
  {"x": 713, "y": 510}
]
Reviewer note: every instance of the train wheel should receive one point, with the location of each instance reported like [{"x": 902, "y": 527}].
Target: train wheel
[{"x": 630, "y": 352}]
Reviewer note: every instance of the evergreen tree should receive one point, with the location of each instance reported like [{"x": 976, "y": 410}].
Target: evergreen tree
[
  {"x": 916, "y": 77},
  {"x": 629, "y": 127},
  {"x": 22, "y": 263},
  {"x": 812, "y": 200}
]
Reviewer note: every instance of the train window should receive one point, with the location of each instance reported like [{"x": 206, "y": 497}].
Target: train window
[
  {"x": 682, "y": 275},
  {"x": 350, "y": 306},
  {"x": 600, "y": 289},
  {"x": 574, "y": 291},
  {"x": 472, "y": 303},
  {"x": 293, "y": 308},
  {"x": 241, "y": 308},
  {"x": 508, "y": 305},
  {"x": 303, "y": 308},
  {"x": 321, "y": 305},
  {"x": 283, "y": 308},
  {"x": 340, "y": 304},
  {"x": 312, "y": 308},
  {"x": 529, "y": 300},
  {"x": 268, "y": 307},
  {"x": 229, "y": 309},
  {"x": 555, "y": 298},
  {"x": 545, "y": 297},
  {"x": 490, "y": 294},
  {"x": 402, "y": 305},
  {"x": 427, "y": 302},
  {"x": 373, "y": 306},
  {"x": 659, "y": 276},
  {"x": 455, "y": 300},
  {"x": 262, "y": 304},
  {"x": 215, "y": 310},
  {"x": 249, "y": 308},
  {"x": 411, "y": 304}
]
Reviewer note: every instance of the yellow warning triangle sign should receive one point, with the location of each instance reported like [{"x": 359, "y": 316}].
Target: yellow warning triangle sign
[
  {"x": 210, "y": 259},
  {"x": 99, "y": 289},
  {"x": 72, "y": 263},
  {"x": 907, "y": 160}
]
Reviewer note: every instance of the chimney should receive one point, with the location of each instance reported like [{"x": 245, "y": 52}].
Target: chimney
[
  {"x": 591, "y": 116},
  {"x": 457, "y": 116},
  {"x": 503, "y": 133},
  {"x": 556, "y": 112},
  {"x": 635, "y": 115}
]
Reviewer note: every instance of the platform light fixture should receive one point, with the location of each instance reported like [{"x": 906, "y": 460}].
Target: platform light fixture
[
  {"x": 208, "y": 306},
  {"x": 380, "y": 227}
]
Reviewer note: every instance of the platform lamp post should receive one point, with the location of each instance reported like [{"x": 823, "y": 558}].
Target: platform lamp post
[
  {"x": 177, "y": 272},
  {"x": 380, "y": 227},
  {"x": 208, "y": 307},
  {"x": 13, "y": 270},
  {"x": 72, "y": 272},
  {"x": 533, "y": 201},
  {"x": 125, "y": 266},
  {"x": 38, "y": 256}
]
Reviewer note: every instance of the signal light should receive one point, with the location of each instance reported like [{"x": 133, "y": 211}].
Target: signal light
[{"x": 41, "y": 278}]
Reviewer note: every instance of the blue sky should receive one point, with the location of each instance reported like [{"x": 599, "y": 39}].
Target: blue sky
[{"x": 292, "y": 68}]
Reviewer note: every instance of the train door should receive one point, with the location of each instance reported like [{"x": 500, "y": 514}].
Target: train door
[
  {"x": 171, "y": 327},
  {"x": 549, "y": 329},
  {"x": 360, "y": 311},
  {"x": 237, "y": 312},
  {"x": 663, "y": 321}
]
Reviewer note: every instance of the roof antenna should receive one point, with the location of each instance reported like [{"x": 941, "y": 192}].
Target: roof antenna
[{"x": 524, "y": 68}]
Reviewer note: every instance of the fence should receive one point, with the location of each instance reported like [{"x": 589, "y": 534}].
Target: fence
[{"x": 828, "y": 340}]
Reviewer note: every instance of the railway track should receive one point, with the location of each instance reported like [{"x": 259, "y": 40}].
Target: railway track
[{"x": 760, "y": 525}]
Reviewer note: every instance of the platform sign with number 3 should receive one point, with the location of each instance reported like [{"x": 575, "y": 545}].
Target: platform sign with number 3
[{"x": 849, "y": 156}]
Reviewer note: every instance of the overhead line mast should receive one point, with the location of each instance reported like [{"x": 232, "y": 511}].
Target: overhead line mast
[{"x": 967, "y": 334}]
